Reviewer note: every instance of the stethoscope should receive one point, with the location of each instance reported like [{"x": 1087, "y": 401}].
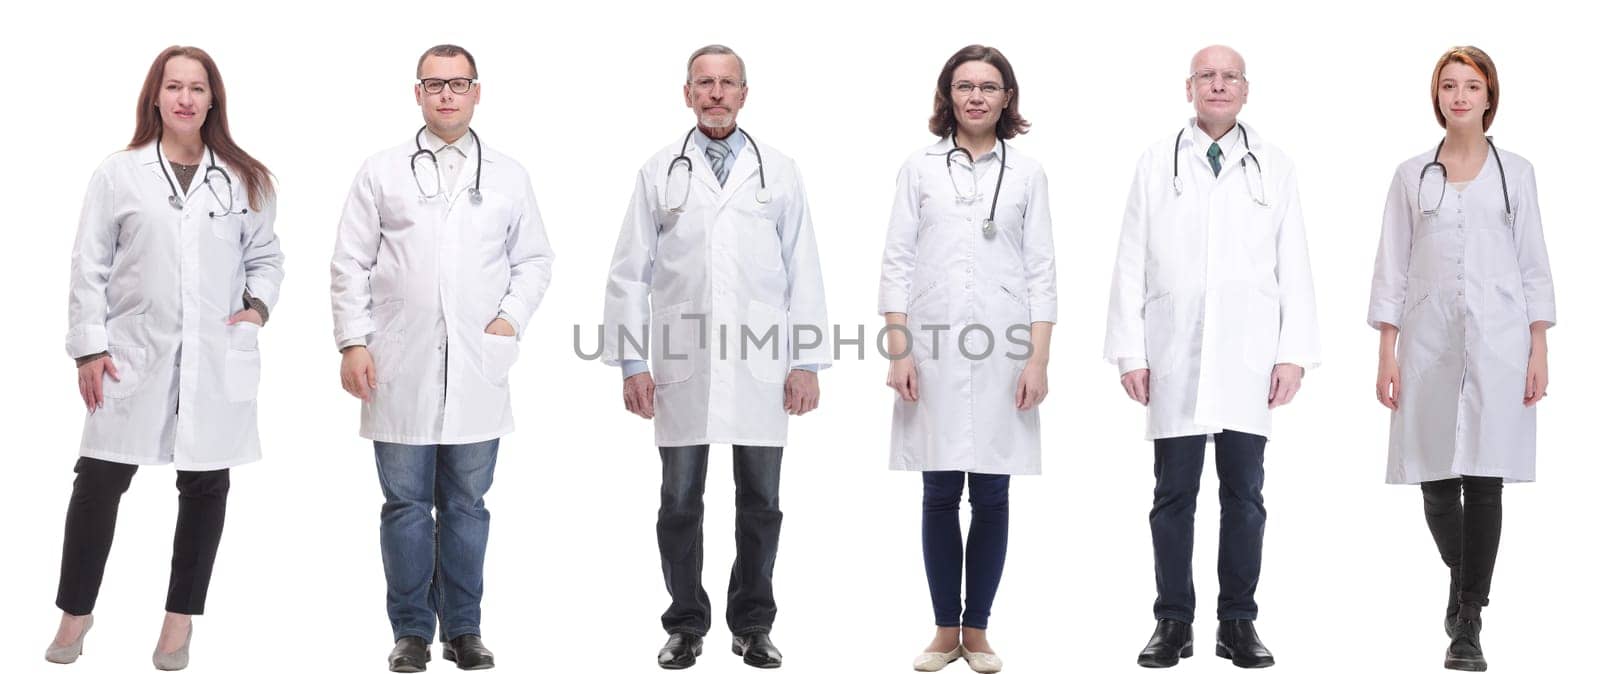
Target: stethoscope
[
  {"x": 1249, "y": 156},
  {"x": 438, "y": 185},
  {"x": 762, "y": 195},
  {"x": 994, "y": 199},
  {"x": 1444, "y": 180},
  {"x": 176, "y": 201}
]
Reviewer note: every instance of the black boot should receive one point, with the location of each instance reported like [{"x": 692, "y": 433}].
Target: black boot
[
  {"x": 1466, "y": 652},
  {"x": 1452, "y": 607},
  {"x": 1237, "y": 641},
  {"x": 1172, "y": 640}
]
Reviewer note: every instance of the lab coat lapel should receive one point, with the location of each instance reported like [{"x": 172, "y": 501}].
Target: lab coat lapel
[
  {"x": 744, "y": 168},
  {"x": 702, "y": 169}
]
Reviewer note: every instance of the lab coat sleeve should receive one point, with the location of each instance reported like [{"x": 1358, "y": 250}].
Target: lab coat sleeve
[
  {"x": 92, "y": 253},
  {"x": 1532, "y": 257},
  {"x": 528, "y": 249},
  {"x": 1039, "y": 252},
  {"x": 627, "y": 310},
  {"x": 806, "y": 304},
  {"x": 1298, "y": 342},
  {"x": 1125, "y": 317},
  {"x": 263, "y": 257},
  {"x": 900, "y": 246},
  {"x": 1387, "y": 303},
  {"x": 355, "y": 252}
]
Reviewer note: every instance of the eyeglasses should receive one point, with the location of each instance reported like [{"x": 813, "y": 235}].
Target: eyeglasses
[
  {"x": 1230, "y": 78},
  {"x": 987, "y": 88},
  {"x": 710, "y": 83},
  {"x": 458, "y": 85}
]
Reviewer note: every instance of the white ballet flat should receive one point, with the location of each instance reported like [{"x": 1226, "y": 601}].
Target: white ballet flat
[
  {"x": 934, "y": 661},
  {"x": 983, "y": 663}
]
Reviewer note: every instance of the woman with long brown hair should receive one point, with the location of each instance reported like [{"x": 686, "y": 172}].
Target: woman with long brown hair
[
  {"x": 174, "y": 270},
  {"x": 969, "y": 249}
]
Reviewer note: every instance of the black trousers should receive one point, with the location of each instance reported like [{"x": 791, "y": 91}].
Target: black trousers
[
  {"x": 92, "y": 522},
  {"x": 1464, "y": 517},
  {"x": 757, "y": 521},
  {"x": 1241, "y": 475}
]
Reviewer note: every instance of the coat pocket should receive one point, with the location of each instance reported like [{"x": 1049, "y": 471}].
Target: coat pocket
[
  {"x": 675, "y": 342},
  {"x": 768, "y": 362},
  {"x": 388, "y": 334},
  {"x": 1265, "y": 323},
  {"x": 126, "y": 339},
  {"x": 499, "y": 354},
  {"x": 1505, "y": 326},
  {"x": 227, "y": 227},
  {"x": 1159, "y": 340},
  {"x": 242, "y": 375}
]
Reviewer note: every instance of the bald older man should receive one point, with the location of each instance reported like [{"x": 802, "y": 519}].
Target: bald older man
[{"x": 1212, "y": 323}]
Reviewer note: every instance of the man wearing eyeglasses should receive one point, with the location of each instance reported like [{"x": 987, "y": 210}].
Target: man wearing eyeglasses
[
  {"x": 440, "y": 261},
  {"x": 1212, "y": 323},
  {"x": 715, "y": 275}
]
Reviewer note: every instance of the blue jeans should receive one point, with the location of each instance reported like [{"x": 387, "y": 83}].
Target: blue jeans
[
  {"x": 1240, "y": 472},
  {"x": 434, "y": 567},
  {"x": 985, "y": 549}
]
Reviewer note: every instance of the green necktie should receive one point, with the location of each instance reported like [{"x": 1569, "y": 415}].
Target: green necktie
[{"x": 1213, "y": 154}]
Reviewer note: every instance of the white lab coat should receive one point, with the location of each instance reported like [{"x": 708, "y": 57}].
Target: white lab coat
[
  {"x": 417, "y": 280},
  {"x": 154, "y": 287},
  {"x": 940, "y": 270},
  {"x": 1210, "y": 289},
  {"x": 742, "y": 266},
  {"x": 1463, "y": 287}
]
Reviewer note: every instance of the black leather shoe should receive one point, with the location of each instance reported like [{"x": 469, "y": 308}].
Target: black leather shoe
[
  {"x": 1237, "y": 641},
  {"x": 1466, "y": 651},
  {"x": 410, "y": 654},
  {"x": 679, "y": 652},
  {"x": 758, "y": 650},
  {"x": 1173, "y": 639},
  {"x": 468, "y": 652}
]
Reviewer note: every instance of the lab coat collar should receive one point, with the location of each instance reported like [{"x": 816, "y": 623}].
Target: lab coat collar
[
  {"x": 946, "y": 143},
  {"x": 146, "y": 155},
  {"x": 1232, "y": 143},
  {"x": 465, "y": 143}
]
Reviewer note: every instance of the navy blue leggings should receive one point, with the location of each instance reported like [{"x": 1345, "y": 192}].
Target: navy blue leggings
[{"x": 985, "y": 550}]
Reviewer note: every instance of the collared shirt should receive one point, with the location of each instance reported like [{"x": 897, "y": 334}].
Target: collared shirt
[
  {"x": 455, "y": 159},
  {"x": 1232, "y": 148},
  {"x": 735, "y": 141}
]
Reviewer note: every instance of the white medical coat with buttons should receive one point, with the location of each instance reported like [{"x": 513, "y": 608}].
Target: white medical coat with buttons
[
  {"x": 1463, "y": 286},
  {"x": 1211, "y": 288},
  {"x": 722, "y": 298},
  {"x": 418, "y": 279},
  {"x": 154, "y": 286},
  {"x": 950, "y": 280}
]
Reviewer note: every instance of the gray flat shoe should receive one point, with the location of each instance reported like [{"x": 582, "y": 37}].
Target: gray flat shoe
[
  {"x": 68, "y": 654},
  {"x": 176, "y": 660}
]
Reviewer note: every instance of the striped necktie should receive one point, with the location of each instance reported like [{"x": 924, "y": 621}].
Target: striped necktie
[{"x": 717, "y": 152}]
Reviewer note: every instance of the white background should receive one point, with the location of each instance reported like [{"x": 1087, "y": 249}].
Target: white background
[{"x": 582, "y": 93}]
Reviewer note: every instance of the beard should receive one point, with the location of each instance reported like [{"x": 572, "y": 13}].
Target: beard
[{"x": 721, "y": 121}]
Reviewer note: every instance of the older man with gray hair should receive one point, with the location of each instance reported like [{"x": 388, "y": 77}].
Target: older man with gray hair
[
  {"x": 1212, "y": 324},
  {"x": 716, "y": 267}
]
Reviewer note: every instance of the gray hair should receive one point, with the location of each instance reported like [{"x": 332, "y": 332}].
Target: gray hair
[{"x": 709, "y": 50}]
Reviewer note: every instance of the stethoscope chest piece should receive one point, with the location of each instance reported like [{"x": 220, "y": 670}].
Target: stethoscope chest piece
[
  {"x": 476, "y": 195},
  {"x": 763, "y": 196},
  {"x": 175, "y": 202},
  {"x": 988, "y": 228}
]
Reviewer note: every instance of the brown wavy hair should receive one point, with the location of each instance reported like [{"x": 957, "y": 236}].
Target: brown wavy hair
[
  {"x": 214, "y": 132},
  {"x": 1474, "y": 58},
  {"x": 943, "y": 121}
]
